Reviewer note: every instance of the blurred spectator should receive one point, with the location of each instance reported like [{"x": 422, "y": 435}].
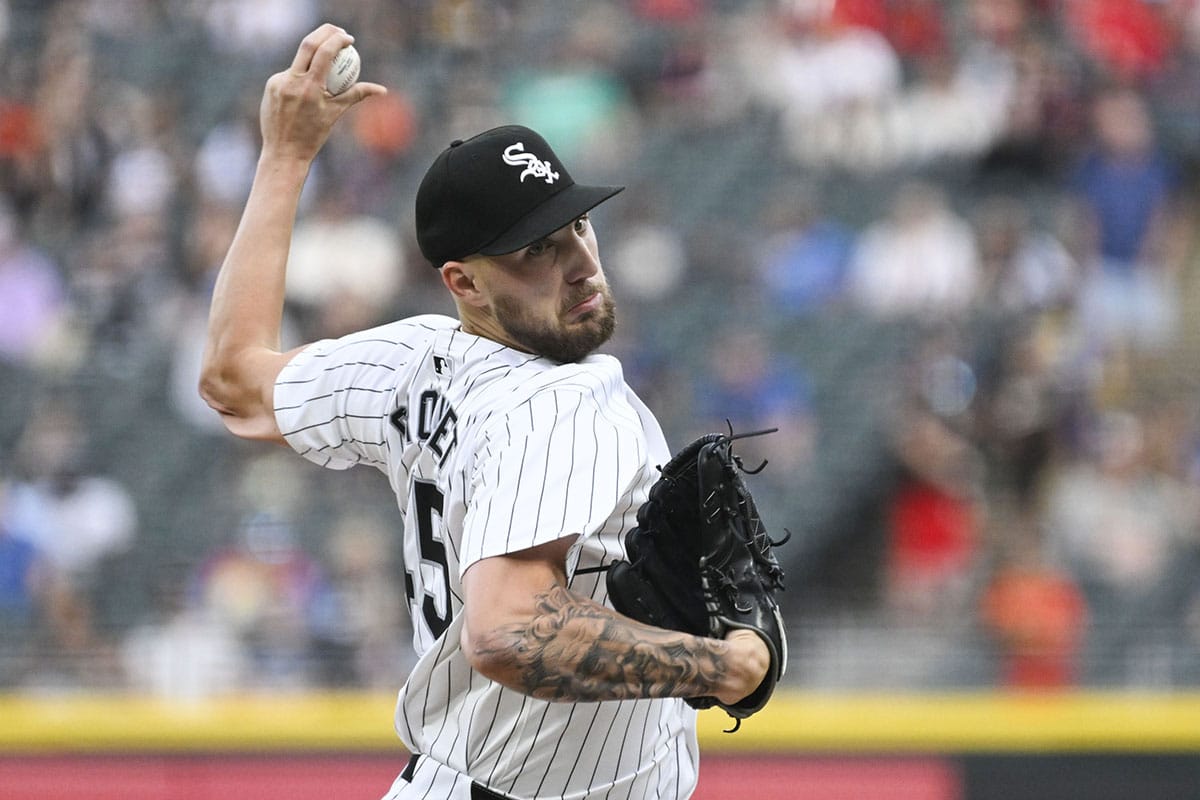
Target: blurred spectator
[
  {"x": 225, "y": 161},
  {"x": 73, "y": 147},
  {"x": 384, "y": 135},
  {"x": 1126, "y": 185},
  {"x": 805, "y": 253},
  {"x": 23, "y": 579},
  {"x": 262, "y": 585},
  {"x": 263, "y": 30},
  {"x": 358, "y": 617},
  {"x": 1037, "y": 614},
  {"x": 467, "y": 24},
  {"x": 1046, "y": 112},
  {"x": 682, "y": 70},
  {"x": 77, "y": 518},
  {"x": 1126, "y": 532},
  {"x": 187, "y": 653},
  {"x": 933, "y": 519},
  {"x": 21, "y": 146},
  {"x": 1128, "y": 38},
  {"x": 917, "y": 29},
  {"x": 78, "y": 521},
  {"x": 672, "y": 11},
  {"x": 261, "y": 589},
  {"x": 35, "y": 303},
  {"x": 955, "y": 111},
  {"x": 124, "y": 293},
  {"x": 370, "y": 268},
  {"x": 751, "y": 387},
  {"x": 141, "y": 182},
  {"x": 576, "y": 101},
  {"x": 1020, "y": 411},
  {"x": 1022, "y": 268},
  {"x": 649, "y": 260},
  {"x": 827, "y": 64},
  {"x": 1119, "y": 522},
  {"x": 847, "y": 104},
  {"x": 921, "y": 261},
  {"x": 832, "y": 82}
]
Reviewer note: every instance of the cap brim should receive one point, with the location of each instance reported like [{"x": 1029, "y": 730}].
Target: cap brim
[{"x": 558, "y": 210}]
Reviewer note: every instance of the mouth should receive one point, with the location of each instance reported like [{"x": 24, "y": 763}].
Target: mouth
[{"x": 586, "y": 306}]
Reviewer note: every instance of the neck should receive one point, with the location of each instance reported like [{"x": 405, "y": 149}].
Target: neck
[{"x": 488, "y": 328}]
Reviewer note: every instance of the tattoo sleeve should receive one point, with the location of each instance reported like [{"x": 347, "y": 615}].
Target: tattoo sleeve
[{"x": 576, "y": 649}]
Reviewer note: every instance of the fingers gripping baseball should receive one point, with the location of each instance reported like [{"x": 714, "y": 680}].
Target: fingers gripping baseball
[{"x": 297, "y": 113}]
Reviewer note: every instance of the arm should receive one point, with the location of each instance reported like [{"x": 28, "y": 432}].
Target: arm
[
  {"x": 242, "y": 354},
  {"x": 527, "y": 631}
]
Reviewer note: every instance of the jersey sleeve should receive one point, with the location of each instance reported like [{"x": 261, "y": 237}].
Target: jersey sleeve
[
  {"x": 559, "y": 465},
  {"x": 332, "y": 400}
]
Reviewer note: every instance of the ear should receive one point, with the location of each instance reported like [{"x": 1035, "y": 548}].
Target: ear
[{"x": 461, "y": 278}]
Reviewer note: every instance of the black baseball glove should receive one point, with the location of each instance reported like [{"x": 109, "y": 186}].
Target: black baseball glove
[{"x": 701, "y": 561}]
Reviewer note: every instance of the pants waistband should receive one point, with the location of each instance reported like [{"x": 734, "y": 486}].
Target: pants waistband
[{"x": 478, "y": 791}]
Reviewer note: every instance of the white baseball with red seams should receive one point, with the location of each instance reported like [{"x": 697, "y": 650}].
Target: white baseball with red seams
[{"x": 343, "y": 71}]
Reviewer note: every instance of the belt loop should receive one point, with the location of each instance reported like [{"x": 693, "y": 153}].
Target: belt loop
[
  {"x": 483, "y": 793},
  {"x": 478, "y": 792},
  {"x": 411, "y": 768}
]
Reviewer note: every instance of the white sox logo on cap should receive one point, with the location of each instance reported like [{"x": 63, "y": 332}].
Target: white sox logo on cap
[{"x": 516, "y": 156}]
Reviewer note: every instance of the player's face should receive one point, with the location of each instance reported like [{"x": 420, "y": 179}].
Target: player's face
[{"x": 551, "y": 297}]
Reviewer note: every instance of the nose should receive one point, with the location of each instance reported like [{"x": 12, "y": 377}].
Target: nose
[{"x": 580, "y": 262}]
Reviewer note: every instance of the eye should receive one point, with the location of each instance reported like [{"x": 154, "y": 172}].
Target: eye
[
  {"x": 537, "y": 248},
  {"x": 581, "y": 224}
]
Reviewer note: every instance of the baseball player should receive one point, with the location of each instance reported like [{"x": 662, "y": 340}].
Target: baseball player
[{"x": 518, "y": 459}]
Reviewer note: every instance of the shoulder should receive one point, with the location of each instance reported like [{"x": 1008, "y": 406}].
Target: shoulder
[
  {"x": 528, "y": 379},
  {"x": 389, "y": 343},
  {"x": 404, "y": 332},
  {"x": 550, "y": 395},
  {"x": 596, "y": 373}
]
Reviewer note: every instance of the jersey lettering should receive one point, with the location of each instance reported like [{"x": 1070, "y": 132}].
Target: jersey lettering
[
  {"x": 399, "y": 420},
  {"x": 427, "y": 408},
  {"x": 444, "y": 436},
  {"x": 437, "y": 424}
]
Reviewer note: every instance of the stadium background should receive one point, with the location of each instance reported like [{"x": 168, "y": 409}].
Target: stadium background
[{"x": 949, "y": 248}]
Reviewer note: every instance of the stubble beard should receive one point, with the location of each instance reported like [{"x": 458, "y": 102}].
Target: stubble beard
[{"x": 556, "y": 340}]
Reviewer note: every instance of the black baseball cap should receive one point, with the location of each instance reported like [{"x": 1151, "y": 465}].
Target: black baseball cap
[{"x": 495, "y": 193}]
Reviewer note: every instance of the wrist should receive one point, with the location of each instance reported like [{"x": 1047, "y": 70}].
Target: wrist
[
  {"x": 279, "y": 165},
  {"x": 749, "y": 660}
]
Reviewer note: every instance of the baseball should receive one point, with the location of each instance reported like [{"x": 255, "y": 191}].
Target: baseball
[{"x": 343, "y": 72}]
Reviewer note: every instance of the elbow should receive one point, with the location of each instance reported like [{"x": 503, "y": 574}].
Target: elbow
[
  {"x": 479, "y": 654},
  {"x": 492, "y": 654},
  {"x": 210, "y": 390},
  {"x": 238, "y": 404},
  {"x": 216, "y": 388},
  {"x": 217, "y": 395}
]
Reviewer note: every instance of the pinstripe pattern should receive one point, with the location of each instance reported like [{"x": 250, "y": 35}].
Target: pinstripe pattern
[{"x": 520, "y": 451}]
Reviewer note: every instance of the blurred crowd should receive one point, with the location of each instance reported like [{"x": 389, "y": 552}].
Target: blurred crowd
[{"x": 947, "y": 247}]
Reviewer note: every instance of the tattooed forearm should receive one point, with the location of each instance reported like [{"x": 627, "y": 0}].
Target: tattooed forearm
[{"x": 576, "y": 649}]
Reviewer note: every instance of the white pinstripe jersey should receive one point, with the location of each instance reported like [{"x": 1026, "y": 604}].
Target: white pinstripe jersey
[{"x": 489, "y": 451}]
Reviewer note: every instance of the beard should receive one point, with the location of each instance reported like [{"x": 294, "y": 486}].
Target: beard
[{"x": 556, "y": 340}]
